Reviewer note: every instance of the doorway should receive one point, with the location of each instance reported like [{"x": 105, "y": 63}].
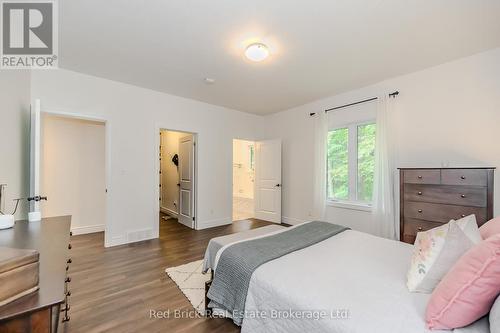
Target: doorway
[
  {"x": 177, "y": 178},
  {"x": 73, "y": 171},
  {"x": 243, "y": 179}
]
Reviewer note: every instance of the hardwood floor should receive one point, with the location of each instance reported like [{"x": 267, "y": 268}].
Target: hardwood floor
[{"x": 114, "y": 289}]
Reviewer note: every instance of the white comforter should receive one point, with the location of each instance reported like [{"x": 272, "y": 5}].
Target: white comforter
[{"x": 352, "y": 271}]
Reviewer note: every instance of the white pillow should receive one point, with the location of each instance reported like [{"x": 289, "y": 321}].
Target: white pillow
[
  {"x": 469, "y": 226},
  {"x": 434, "y": 253}
]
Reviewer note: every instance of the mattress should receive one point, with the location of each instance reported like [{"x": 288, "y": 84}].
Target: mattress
[{"x": 352, "y": 282}]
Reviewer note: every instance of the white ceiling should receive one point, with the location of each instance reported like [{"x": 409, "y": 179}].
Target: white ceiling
[{"x": 319, "y": 47}]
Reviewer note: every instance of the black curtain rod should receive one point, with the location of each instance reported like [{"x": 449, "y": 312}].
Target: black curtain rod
[{"x": 394, "y": 94}]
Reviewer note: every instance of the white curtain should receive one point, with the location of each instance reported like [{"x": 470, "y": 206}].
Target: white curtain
[
  {"x": 320, "y": 137},
  {"x": 384, "y": 219}
]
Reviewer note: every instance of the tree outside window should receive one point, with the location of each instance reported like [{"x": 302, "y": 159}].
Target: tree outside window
[{"x": 351, "y": 163}]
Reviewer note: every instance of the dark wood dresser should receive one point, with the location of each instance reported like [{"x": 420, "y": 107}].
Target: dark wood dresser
[
  {"x": 431, "y": 197},
  {"x": 44, "y": 310}
]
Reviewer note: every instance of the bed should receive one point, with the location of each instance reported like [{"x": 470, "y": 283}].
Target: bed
[
  {"x": 350, "y": 282},
  {"x": 215, "y": 244}
]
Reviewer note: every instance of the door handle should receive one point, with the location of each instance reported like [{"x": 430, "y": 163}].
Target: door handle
[
  {"x": 37, "y": 198},
  {"x": 278, "y": 185}
]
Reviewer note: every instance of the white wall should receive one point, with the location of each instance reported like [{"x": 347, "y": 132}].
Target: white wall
[
  {"x": 73, "y": 173},
  {"x": 170, "y": 172},
  {"x": 447, "y": 115},
  {"x": 243, "y": 174},
  {"x": 134, "y": 117},
  {"x": 14, "y": 137}
]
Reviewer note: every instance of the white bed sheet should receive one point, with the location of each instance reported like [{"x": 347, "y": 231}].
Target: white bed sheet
[{"x": 353, "y": 271}]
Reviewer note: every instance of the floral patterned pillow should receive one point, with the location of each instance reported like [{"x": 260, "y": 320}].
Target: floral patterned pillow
[{"x": 434, "y": 253}]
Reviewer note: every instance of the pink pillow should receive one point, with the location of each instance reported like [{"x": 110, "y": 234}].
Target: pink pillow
[
  {"x": 490, "y": 228},
  {"x": 468, "y": 290}
]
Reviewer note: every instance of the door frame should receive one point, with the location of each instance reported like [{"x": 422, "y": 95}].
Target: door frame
[
  {"x": 107, "y": 157},
  {"x": 162, "y": 127}
]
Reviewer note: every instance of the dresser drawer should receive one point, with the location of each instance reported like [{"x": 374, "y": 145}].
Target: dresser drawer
[
  {"x": 413, "y": 226},
  {"x": 441, "y": 213},
  {"x": 422, "y": 176},
  {"x": 454, "y": 195},
  {"x": 464, "y": 177}
]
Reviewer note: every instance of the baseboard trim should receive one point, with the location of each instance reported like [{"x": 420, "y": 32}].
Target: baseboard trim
[
  {"x": 214, "y": 223},
  {"x": 291, "y": 220},
  {"x": 139, "y": 235},
  {"x": 87, "y": 229},
  {"x": 115, "y": 241},
  {"x": 169, "y": 212},
  {"x": 122, "y": 240}
]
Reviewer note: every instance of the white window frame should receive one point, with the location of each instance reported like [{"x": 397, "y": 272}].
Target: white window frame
[{"x": 352, "y": 160}]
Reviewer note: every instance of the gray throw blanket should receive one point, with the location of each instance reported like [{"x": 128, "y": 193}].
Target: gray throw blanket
[{"x": 238, "y": 262}]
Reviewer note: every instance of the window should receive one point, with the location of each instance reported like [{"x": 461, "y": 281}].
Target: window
[{"x": 351, "y": 163}]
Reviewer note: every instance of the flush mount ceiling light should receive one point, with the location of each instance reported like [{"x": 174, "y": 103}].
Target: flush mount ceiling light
[{"x": 257, "y": 52}]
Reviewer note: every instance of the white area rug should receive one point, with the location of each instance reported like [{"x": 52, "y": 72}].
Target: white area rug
[{"x": 191, "y": 281}]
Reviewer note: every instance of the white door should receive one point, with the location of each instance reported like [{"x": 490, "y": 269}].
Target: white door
[
  {"x": 268, "y": 180},
  {"x": 35, "y": 154},
  {"x": 186, "y": 181}
]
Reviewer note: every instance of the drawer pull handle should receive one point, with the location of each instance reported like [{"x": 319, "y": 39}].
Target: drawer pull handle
[
  {"x": 462, "y": 177},
  {"x": 463, "y": 195},
  {"x": 419, "y": 177},
  {"x": 420, "y": 211},
  {"x": 419, "y": 193},
  {"x": 419, "y": 229}
]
